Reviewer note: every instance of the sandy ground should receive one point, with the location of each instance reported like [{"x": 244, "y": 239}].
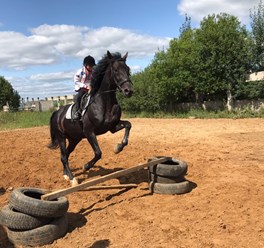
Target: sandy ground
[{"x": 225, "y": 165}]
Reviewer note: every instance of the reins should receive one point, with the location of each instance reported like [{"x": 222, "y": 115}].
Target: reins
[{"x": 99, "y": 94}]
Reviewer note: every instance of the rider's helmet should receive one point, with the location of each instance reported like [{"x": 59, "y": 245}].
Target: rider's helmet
[{"x": 89, "y": 60}]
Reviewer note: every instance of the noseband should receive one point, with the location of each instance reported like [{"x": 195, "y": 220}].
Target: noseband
[{"x": 119, "y": 84}]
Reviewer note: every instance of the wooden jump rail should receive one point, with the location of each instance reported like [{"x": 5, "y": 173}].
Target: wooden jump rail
[{"x": 63, "y": 192}]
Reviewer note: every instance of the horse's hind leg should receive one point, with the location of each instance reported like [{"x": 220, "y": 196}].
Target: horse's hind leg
[
  {"x": 118, "y": 127},
  {"x": 64, "y": 159}
]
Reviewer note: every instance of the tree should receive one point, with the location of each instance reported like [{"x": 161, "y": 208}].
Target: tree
[
  {"x": 186, "y": 25},
  {"x": 8, "y": 95},
  {"x": 208, "y": 63},
  {"x": 224, "y": 55},
  {"x": 257, "y": 26},
  {"x": 182, "y": 60}
]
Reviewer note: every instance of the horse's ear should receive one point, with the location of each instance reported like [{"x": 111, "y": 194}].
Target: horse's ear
[
  {"x": 125, "y": 56},
  {"x": 109, "y": 55}
]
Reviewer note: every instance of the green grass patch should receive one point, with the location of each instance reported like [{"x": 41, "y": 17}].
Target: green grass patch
[
  {"x": 13, "y": 120},
  {"x": 201, "y": 114}
]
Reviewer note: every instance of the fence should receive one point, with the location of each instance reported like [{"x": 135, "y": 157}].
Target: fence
[
  {"x": 254, "y": 105},
  {"x": 52, "y": 103}
]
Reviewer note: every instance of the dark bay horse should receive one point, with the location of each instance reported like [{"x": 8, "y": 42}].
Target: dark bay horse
[{"x": 102, "y": 115}]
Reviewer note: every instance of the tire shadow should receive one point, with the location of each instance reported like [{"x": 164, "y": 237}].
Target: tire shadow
[
  {"x": 101, "y": 244},
  {"x": 193, "y": 185},
  {"x": 75, "y": 220}
]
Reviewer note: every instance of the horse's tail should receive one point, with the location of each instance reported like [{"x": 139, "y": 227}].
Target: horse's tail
[{"x": 54, "y": 144}]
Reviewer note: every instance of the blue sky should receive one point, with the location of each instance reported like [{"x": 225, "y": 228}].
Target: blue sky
[{"x": 42, "y": 43}]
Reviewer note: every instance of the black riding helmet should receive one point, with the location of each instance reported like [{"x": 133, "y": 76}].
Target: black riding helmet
[{"x": 89, "y": 60}]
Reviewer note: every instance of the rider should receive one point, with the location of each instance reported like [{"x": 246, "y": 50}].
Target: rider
[{"x": 82, "y": 80}]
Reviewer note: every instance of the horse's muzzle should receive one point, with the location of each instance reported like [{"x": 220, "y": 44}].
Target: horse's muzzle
[{"x": 127, "y": 92}]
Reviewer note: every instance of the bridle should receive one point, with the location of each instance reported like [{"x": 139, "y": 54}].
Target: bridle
[{"x": 119, "y": 84}]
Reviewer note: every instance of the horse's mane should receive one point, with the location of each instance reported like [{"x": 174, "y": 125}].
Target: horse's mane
[{"x": 100, "y": 69}]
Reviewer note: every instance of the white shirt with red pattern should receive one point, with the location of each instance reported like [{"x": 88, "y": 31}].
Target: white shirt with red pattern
[{"x": 82, "y": 79}]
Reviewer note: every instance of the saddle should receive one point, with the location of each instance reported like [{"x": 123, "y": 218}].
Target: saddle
[{"x": 83, "y": 107}]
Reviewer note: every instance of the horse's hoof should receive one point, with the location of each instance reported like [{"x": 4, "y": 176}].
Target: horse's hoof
[
  {"x": 66, "y": 178},
  {"x": 118, "y": 148},
  {"x": 74, "y": 182},
  {"x": 86, "y": 167}
]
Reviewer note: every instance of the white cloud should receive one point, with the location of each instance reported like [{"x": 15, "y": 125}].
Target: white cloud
[
  {"x": 49, "y": 44},
  {"x": 198, "y": 9},
  {"x": 52, "y": 77}
]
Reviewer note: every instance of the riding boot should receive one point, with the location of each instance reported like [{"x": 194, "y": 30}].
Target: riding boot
[{"x": 77, "y": 114}]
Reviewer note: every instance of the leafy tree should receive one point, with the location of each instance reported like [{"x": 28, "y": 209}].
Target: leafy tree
[
  {"x": 257, "y": 26},
  {"x": 8, "y": 95},
  {"x": 209, "y": 63},
  {"x": 145, "y": 97},
  {"x": 182, "y": 60},
  {"x": 224, "y": 54},
  {"x": 251, "y": 90},
  {"x": 186, "y": 25}
]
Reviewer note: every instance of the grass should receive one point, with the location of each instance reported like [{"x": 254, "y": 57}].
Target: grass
[
  {"x": 14, "y": 120},
  {"x": 202, "y": 114}
]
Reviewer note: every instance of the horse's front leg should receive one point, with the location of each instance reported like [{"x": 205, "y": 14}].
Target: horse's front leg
[
  {"x": 67, "y": 174},
  {"x": 91, "y": 137},
  {"x": 122, "y": 124}
]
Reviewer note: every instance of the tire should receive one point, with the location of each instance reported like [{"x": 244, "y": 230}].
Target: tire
[
  {"x": 170, "y": 168},
  {"x": 11, "y": 218},
  {"x": 28, "y": 201},
  {"x": 171, "y": 188},
  {"x": 39, "y": 236},
  {"x": 161, "y": 179}
]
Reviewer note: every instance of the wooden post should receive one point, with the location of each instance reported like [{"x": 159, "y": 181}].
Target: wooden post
[{"x": 62, "y": 192}]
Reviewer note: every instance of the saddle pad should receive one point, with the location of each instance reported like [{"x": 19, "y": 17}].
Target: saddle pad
[{"x": 69, "y": 112}]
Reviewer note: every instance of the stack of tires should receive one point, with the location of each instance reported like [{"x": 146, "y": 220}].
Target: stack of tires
[
  {"x": 30, "y": 221},
  {"x": 168, "y": 177}
]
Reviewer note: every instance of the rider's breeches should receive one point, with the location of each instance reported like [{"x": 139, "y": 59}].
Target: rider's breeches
[{"x": 79, "y": 96}]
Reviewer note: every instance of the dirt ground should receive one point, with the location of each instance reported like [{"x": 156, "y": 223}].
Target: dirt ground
[{"x": 225, "y": 166}]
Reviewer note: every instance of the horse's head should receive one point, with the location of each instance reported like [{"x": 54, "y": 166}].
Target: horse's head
[{"x": 120, "y": 74}]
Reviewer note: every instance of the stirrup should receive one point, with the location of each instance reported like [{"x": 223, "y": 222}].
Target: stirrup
[{"x": 76, "y": 116}]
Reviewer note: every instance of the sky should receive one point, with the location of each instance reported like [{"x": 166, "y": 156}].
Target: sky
[{"x": 43, "y": 43}]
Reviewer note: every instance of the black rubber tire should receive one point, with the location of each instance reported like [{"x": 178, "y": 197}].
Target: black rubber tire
[
  {"x": 40, "y": 236},
  {"x": 170, "y": 188},
  {"x": 28, "y": 201},
  {"x": 170, "y": 168},
  {"x": 11, "y": 218},
  {"x": 161, "y": 179}
]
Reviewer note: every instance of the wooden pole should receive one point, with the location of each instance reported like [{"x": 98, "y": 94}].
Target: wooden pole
[{"x": 62, "y": 192}]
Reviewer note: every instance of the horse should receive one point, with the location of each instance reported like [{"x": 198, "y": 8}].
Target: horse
[{"x": 103, "y": 113}]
